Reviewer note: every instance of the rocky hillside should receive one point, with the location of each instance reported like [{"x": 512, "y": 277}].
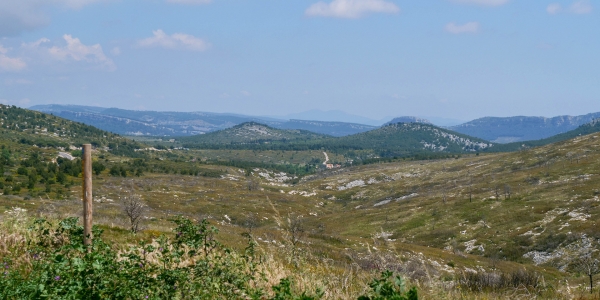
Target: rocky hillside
[{"x": 403, "y": 138}]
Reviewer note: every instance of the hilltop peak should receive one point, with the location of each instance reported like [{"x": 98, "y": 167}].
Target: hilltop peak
[{"x": 407, "y": 119}]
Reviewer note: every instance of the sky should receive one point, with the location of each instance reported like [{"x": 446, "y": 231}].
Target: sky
[{"x": 459, "y": 59}]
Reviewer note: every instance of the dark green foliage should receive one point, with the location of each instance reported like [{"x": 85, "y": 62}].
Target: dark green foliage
[
  {"x": 22, "y": 171},
  {"x": 32, "y": 179},
  {"x": 98, "y": 167},
  {"x": 61, "y": 177},
  {"x": 5, "y": 156},
  {"x": 118, "y": 170},
  {"x": 70, "y": 167},
  {"x": 390, "y": 288}
]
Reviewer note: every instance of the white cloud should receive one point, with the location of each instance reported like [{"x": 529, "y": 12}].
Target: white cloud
[
  {"x": 115, "y": 51},
  {"x": 482, "y": 2},
  {"x": 470, "y": 27},
  {"x": 581, "y": 7},
  {"x": 245, "y": 93},
  {"x": 351, "y": 9},
  {"x": 553, "y": 8},
  {"x": 180, "y": 41},
  {"x": 10, "y": 63},
  {"x": 193, "y": 2},
  {"x": 77, "y": 51},
  {"x": 44, "y": 50},
  {"x": 17, "y": 16},
  {"x": 578, "y": 7}
]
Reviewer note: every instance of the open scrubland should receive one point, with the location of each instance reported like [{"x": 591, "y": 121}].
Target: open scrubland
[{"x": 478, "y": 226}]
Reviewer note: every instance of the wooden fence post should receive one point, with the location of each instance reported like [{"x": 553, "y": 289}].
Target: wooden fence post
[{"x": 87, "y": 193}]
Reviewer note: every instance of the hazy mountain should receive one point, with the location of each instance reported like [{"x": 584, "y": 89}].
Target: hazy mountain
[
  {"x": 521, "y": 128},
  {"x": 585, "y": 129},
  {"x": 443, "y": 122},
  {"x": 333, "y": 116},
  {"x": 407, "y": 119},
  {"x": 329, "y": 128},
  {"x": 154, "y": 123}
]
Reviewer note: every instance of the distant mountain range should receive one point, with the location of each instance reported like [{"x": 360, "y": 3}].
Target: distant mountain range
[
  {"x": 333, "y": 116},
  {"x": 517, "y": 129},
  {"x": 153, "y": 123}
]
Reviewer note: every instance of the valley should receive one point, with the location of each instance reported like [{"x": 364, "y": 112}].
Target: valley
[{"x": 436, "y": 219}]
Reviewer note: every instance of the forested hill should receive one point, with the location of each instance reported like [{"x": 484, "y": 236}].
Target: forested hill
[
  {"x": 406, "y": 138},
  {"x": 252, "y": 133},
  {"x": 399, "y": 139},
  {"x": 30, "y": 127}
]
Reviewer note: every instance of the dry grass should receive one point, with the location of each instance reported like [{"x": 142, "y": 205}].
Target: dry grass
[{"x": 453, "y": 211}]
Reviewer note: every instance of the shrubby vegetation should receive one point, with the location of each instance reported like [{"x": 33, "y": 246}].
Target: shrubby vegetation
[{"x": 191, "y": 264}]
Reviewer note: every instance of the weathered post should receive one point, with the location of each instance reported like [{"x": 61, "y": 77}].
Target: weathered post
[{"x": 87, "y": 193}]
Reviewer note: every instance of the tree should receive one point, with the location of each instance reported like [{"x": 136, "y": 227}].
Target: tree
[
  {"x": 134, "y": 208},
  {"x": 470, "y": 187},
  {"x": 585, "y": 262},
  {"x": 253, "y": 185},
  {"x": 98, "y": 167},
  {"x": 435, "y": 217},
  {"x": 497, "y": 192},
  {"x": 251, "y": 222},
  {"x": 507, "y": 191},
  {"x": 295, "y": 229}
]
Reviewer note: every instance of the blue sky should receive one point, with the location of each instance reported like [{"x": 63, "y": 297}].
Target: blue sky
[{"x": 460, "y": 59}]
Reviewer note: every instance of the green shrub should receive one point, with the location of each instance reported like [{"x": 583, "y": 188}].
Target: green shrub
[
  {"x": 385, "y": 288},
  {"x": 190, "y": 265}
]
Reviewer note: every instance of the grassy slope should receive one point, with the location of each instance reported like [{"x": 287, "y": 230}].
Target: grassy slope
[
  {"x": 546, "y": 186},
  {"x": 549, "y": 185}
]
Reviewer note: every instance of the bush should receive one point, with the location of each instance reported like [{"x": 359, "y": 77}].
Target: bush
[
  {"x": 190, "y": 265},
  {"x": 385, "y": 288}
]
